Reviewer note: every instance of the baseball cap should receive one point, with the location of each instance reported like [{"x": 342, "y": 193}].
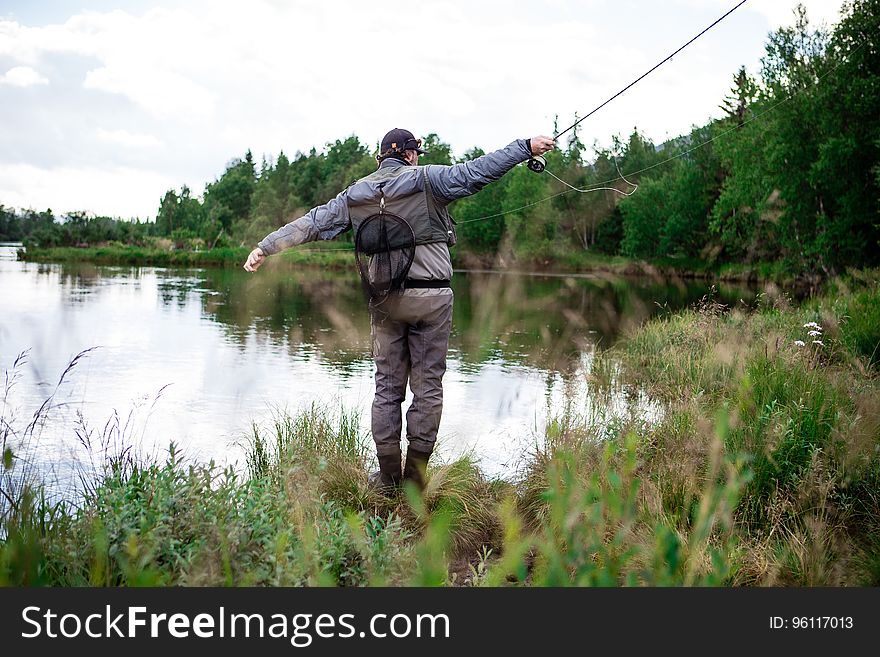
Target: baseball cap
[{"x": 400, "y": 140}]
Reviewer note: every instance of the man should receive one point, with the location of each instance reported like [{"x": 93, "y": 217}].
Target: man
[{"x": 410, "y": 333}]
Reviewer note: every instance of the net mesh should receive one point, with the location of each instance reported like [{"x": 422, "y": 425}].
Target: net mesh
[{"x": 384, "y": 248}]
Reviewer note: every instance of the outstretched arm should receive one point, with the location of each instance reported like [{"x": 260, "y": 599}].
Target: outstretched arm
[
  {"x": 460, "y": 180},
  {"x": 323, "y": 222}
]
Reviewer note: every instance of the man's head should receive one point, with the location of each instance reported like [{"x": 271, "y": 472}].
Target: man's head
[{"x": 402, "y": 144}]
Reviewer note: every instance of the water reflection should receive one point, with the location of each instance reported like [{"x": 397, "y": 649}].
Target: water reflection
[
  {"x": 232, "y": 345},
  {"x": 537, "y": 321}
]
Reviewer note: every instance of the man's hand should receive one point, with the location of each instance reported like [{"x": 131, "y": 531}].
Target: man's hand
[
  {"x": 541, "y": 145},
  {"x": 254, "y": 260}
]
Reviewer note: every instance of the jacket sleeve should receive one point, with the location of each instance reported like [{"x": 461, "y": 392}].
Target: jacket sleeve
[
  {"x": 323, "y": 222},
  {"x": 460, "y": 180}
]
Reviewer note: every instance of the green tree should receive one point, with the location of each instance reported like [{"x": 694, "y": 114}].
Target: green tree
[
  {"x": 166, "y": 220},
  {"x": 181, "y": 214},
  {"x": 741, "y": 97},
  {"x": 769, "y": 206},
  {"x": 228, "y": 199},
  {"x": 694, "y": 190},
  {"x": 306, "y": 176},
  {"x": 10, "y": 225},
  {"x": 644, "y": 218},
  {"x": 531, "y": 228},
  {"x": 439, "y": 152},
  {"x": 599, "y": 207},
  {"x": 480, "y": 226},
  {"x": 345, "y": 162},
  {"x": 844, "y": 172}
]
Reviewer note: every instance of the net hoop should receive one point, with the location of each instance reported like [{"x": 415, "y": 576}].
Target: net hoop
[{"x": 384, "y": 248}]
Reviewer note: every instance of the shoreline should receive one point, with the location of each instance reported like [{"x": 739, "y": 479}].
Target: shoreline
[{"x": 577, "y": 265}]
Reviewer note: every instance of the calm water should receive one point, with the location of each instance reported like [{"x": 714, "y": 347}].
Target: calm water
[{"x": 226, "y": 348}]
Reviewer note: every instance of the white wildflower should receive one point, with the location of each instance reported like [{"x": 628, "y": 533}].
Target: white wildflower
[
  {"x": 814, "y": 334},
  {"x": 812, "y": 325},
  {"x": 799, "y": 343},
  {"x": 819, "y": 342}
]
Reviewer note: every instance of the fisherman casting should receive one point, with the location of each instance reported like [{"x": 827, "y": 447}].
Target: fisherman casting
[{"x": 403, "y": 231}]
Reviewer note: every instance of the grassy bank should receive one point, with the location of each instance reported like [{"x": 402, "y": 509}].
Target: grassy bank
[
  {"x": 340, "y": 256},
  {"x": 764, "y": 470}
]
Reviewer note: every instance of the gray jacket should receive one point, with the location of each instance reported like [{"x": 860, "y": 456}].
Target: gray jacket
[{"x": 448, "y": 183}]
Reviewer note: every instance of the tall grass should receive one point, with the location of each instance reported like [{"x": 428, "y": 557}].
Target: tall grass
[{"x": 801, "y": 394}]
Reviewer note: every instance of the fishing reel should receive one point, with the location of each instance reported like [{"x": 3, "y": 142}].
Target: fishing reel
[{"x": 536, "y": 163}]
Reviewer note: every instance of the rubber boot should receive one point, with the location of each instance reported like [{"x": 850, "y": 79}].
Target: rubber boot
[
  {"x": 416, "y": 467},
  {"x": 387, "y": 479}
]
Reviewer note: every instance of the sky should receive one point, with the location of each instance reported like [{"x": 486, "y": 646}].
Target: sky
[{"x": 104, "y": 106}]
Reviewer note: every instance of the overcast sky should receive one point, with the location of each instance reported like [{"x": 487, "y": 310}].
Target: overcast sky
[{"x": 106, "y": 105}]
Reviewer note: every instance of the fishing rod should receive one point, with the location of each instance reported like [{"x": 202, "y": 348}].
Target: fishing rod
[{"x": 537, "y": 163}]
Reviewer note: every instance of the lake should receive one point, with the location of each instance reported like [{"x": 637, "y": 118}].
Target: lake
[{"x": 197, "y": 356}]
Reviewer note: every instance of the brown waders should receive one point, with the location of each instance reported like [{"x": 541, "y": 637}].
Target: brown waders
[{"x": 410, "y": 334}]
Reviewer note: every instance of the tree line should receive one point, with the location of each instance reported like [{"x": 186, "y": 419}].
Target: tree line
[{"x": 790, "y": 173}]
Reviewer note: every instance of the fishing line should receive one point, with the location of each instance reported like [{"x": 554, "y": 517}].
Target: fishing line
[
  {"x": 571, "y": 188},
  {"x": 652, "y": 69},
  {"x": 599, "y": 189}
]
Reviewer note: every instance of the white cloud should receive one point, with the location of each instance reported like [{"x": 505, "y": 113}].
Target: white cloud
[
  {"x": 22, "y": 76},
  {"x": 776, "y": 12},
  {"x": 163, "y": 93},
  {"x": 782, "y": 13},
  {"x": 128, "y": 139},
  {"x": 111, "y": 191}
]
